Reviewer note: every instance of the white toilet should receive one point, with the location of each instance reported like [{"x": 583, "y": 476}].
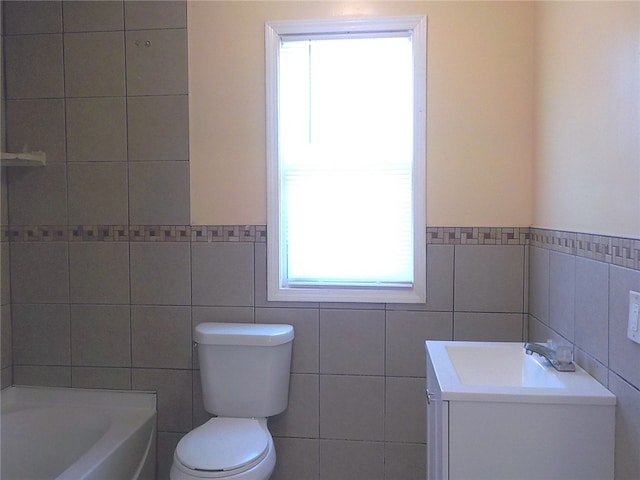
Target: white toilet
[{"x": 244, "y": 370}]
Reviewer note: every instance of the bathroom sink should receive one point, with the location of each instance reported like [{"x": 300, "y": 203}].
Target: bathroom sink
[{"x": 495, "y": 371}]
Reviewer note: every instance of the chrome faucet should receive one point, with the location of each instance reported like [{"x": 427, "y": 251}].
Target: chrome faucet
[{"x": 562, "y": 363}]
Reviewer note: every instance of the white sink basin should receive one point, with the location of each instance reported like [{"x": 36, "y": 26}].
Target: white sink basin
[
  {"x": 503, "y": 365},
  {"x": 494, "y": 371}
]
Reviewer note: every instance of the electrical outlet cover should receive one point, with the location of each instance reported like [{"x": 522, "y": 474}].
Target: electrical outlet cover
[{"x": 633, "y": 326}]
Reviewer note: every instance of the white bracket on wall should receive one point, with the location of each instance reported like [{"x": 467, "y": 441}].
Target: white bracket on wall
[{"x": 26, "y": 159}]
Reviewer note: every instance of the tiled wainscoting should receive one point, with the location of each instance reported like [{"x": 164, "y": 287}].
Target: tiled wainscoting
[
  {"x": 114, "y": 307},
  {"x": 579, "y": 293}
]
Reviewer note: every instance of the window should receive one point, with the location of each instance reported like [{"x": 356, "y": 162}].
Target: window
[{"x": 345, "y": 159}]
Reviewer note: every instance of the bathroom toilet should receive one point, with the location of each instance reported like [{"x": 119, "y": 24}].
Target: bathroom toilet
[{"x": 244, "y": 371}]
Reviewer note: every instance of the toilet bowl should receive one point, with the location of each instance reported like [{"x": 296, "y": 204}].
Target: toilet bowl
[
  {"x": 244, "y": 372},
  {"x": 225, "y": 448}
]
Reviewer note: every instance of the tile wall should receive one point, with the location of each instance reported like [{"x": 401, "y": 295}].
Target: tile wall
[
  {"x": 103, "y": 278},
  {"x": 579, "y": 294},
  {"x": 107, "y": 278}
]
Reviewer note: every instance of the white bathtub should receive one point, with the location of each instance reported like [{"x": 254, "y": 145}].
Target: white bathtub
[{"x": 75, "y": 434}]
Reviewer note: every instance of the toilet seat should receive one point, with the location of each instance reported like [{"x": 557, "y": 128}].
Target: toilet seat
[{"x": 223, "y": 447}]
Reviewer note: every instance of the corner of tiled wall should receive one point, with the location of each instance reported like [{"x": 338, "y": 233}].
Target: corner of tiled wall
[{"x": 579, "y": 294}]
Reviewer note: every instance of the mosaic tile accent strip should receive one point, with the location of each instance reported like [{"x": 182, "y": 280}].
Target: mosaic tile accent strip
[
  {"x": 624, "y": 252},
  {"x": 478, "y": 235}
]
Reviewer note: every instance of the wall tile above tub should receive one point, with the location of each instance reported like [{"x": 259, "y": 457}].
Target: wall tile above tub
[
  {"x": 160, "y": 273},
  {"x": 32, "y": 17},
  {"x": 99, "y": 273},
  {"x": 145, "y": 14},
  {"x": 94, "y": 64},
  {"x": 159, "y": 193},
  {"x": 157, "y": 62},
  {"x": 26, "y": 54},
  {"x": 93, "y": 16},
  {"x": 158, "y": 127},
  {"x": 39, "y": 272},
  {"x": 96, "y": 129},
  {"x": 100, "y": 336},
  {"x": 98, "y": 193},
  {"x": 161, "y": 336},
  {"x": 38, "y": 196},
  {"x": 41, "y": 334},
  {"x": 37, "y": 124}
]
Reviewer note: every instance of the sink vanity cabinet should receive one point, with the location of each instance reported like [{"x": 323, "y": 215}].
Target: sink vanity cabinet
[{"x": 494, "y": 413}]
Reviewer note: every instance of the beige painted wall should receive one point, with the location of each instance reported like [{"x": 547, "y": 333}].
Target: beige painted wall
[
  {"x": 587, "y": 155},
  {"x": 479, "y": 111}
]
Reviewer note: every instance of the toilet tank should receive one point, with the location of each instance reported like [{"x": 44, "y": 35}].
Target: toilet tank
[{"x": 244, "y": 368}]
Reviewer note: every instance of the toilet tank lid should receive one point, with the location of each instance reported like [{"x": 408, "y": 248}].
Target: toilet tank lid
[{"x": 253, "y": 334}]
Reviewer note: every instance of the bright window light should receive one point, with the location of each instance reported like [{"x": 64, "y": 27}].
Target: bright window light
[{"x": 346, "y": 160}]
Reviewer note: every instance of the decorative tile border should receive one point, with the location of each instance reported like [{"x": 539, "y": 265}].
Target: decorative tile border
[
  {"x": 478, "y": 235},
  {"x": 620, "y": 251},
  {"x": 236, "y": 233},
  {"x": 624, "y": 252},
  {"x": 135, "y": 233}
]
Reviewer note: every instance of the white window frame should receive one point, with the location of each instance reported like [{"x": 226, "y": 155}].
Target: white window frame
[{"x": 277, "y": 287}]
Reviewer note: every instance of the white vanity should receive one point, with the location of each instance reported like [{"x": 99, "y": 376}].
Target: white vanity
[{"x": 495, "y": 413}]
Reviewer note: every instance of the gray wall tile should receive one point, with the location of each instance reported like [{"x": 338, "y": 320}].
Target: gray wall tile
[
  {"x": 39, "y": 273},
  {"x": 489, "y": 278},
  {"x": 5, "y": 278},
  {"x": 99, "y": 273},
  {"x": 627, "y": 460},
  {"x": 158, "y": 127},
  {"x": 38, "y": 196},
  {"x": 222, "y": 274},
  {"x": 562, "y": 288},
  {"x": 101, "y": 377},
  {"x": 406, "y": 333},
  {"x": 592, "y": 308},
  {"x": 306, "y": 325},
  {"x": 344, "y": 460},
  {"x": 159, "y": 193},
  {"x": 25, "y": 54},
  {"x": 37, "y": 125},
  {"x": 173, "y": 389},
  {"x": 100, "y": 336},
  {"x": 160, "y": 274},
  {"x": 539, "y": 283},
  {"x": 351, "y": 407},
  {"x": 97, "y": 193},
  {"x": 624, "y": 355},
  {"x": 157, "y": 62},
  {"x": 404, "y": 461},
  {"x": 6, "y": 348},
  {"x": 488, "y": 327},
  {"x": 297, "y": 458},
  {"x": 96, "y": 129},
  {"x": 405, "y": 412},
  {"x": 41, "y": 335},
  {"x": 22, "y": 17},
  {"x": 302, "y": 417},
  {"x": 88, "y": 16},
  {"x": 146, "y": 14},
  {"x": 352, "y": 342},
  {"x": 42, "y": 375},
  {"x": 94, "y": 64},
  {"x": 161, "y": 337}
]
